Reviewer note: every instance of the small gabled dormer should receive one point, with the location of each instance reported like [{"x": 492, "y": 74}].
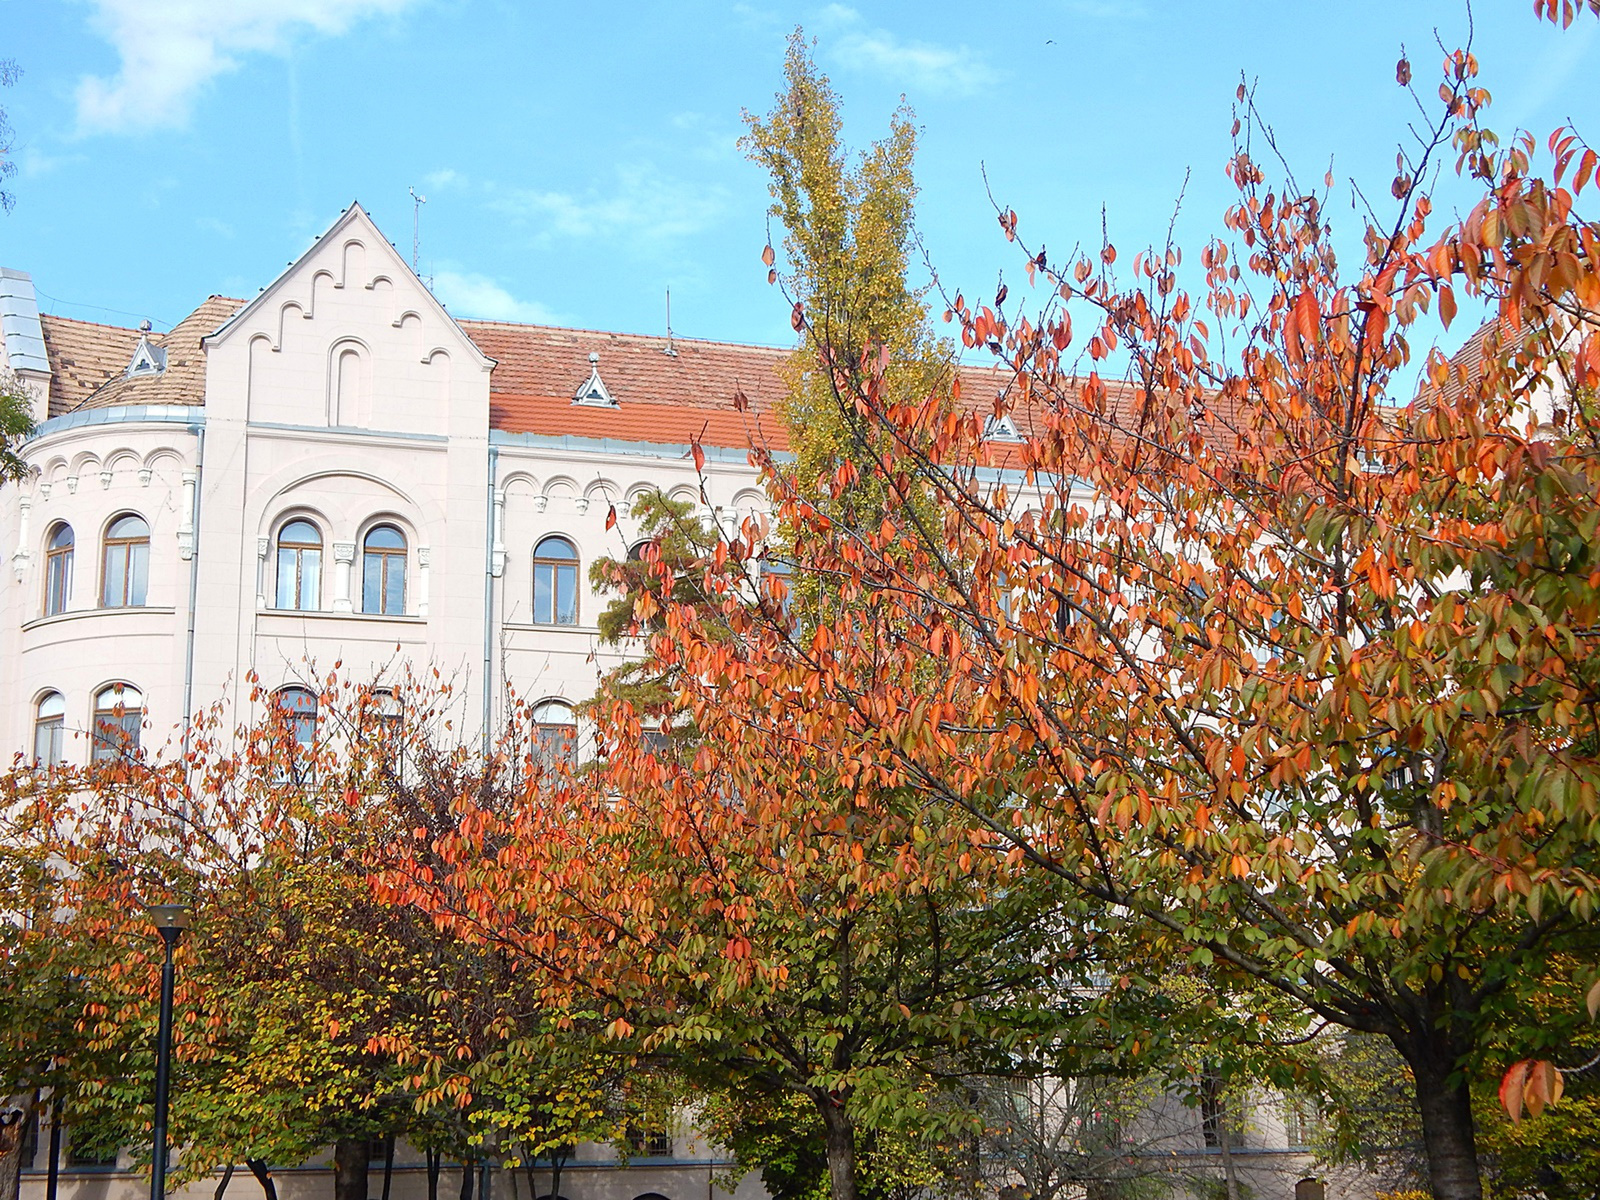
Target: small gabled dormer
[
  {"x": 1000, "y": 428},
  {"x": 593, "y": 391},
  {"x": 147, "y": 359}
]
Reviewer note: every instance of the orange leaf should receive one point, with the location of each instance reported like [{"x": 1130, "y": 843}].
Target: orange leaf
[
  {"x": 698, "y": 454},
  {"x": 1586, "y": 166},
  {"x": 611, "y": 517},
  {"x": 1511, "y": 1085},
  {"x": 767, "y": 256}
]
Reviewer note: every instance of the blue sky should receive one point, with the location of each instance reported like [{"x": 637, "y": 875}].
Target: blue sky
[{"x": 579, "y": 159}]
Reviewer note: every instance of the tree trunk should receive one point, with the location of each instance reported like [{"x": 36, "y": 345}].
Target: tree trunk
[
  {"x": 1449, "y": 1137},
  {"x": 15, "y": 1113},
  {"x": 350, "y": 1157},
  {"x": 222, "y": 1184},
  {"x": 466, "y": 1181},
  {"x": 1230, "y": 1170},
  {"x": 840, "y": 1132},
  {"x": 1448, "y": 1134},
  {"x": 52, "y": 1178},
  {"x": 258, "y": 1168},
  {"x": 388, "y": 1164},
  {"x": 435, "y": 1161}
]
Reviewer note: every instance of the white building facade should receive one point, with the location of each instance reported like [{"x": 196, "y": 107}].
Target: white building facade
[{"x": 337, "y": 470}]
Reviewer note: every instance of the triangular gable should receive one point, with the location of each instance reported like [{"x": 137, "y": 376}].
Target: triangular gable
[
  {"x": 147, "y": 359},
  {"x": 354, "y": 217},
  {"x": 593, "y": 391}
]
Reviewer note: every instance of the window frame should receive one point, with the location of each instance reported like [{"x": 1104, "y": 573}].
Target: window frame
[
  {"x": 554, "y": 743},
  {"x": 301, "y": 708},
  {"x": 55, "y": 723},
  {"x": 129, "y": 548},
  {"x": 389, "y": 558},
  {"x": 117, "y": 715},
  {"x": 301, "y": 550},
  {"x": 58, "y": 569},
  {"x": 555, "y": 565}
]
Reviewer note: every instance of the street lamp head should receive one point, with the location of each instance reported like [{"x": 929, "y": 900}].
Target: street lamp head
[{"x": 170, "y": 916}]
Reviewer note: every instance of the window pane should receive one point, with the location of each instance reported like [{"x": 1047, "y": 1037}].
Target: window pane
[
  {"x": 566, "y": 595},
  {"x": 556, "y": 547},
  {"x": 286, "y": 577},
  {"x": 58, "y": 582},
  {"x": 372, "y": 583},
  {"x": 394, "y": 598},
  {"x": 386, "y": 537},
  {"x": 118, "y": 713},
  {"x": 138, "y": 571},
  {"x": 310, "y": 578},
  {"x": 49, "y": 741},
  {"x": 116, "y": 577},
  {"x": 543, "y": 593},
  {"x": 300, "y": 708}
]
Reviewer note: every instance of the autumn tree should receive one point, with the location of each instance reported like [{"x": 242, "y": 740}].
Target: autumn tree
[
  {"x": 848, "y": 230},
  {"x": 311, "y": 1012},
  {"x": 751, "y": 914},
  {"x": 1284, "y": 680}
]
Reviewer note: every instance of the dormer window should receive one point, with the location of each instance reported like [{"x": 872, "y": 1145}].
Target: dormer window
[
  {"x": 147, "y": 359},
  {"x": 1001, "y": 428},
  {"x": 594, "y": 391}
]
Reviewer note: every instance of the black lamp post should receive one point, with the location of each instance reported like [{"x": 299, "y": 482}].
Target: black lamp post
[{"x": 170, "y": 922}]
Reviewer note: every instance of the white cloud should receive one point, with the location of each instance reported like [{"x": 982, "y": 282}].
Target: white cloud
[
  {"x": 34, "y": 162},
  {"x": 170, "y": 49},
  {"x": 918, "y": 64},
  {"x": 644, "y": 207},
  {"x": 467, "y": 294}
]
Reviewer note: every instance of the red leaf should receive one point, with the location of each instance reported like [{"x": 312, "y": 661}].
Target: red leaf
[
  {"x": 1586, "y": 166},
  {"x": 1511, "y": 1085},
  {"x": 741, "y": 402},
  {"x": 798, "y": 317},
  {"x": 1402, "y": 72},
  {"x": 611, "y": 517},
  {"x": 698, "y": 454}
]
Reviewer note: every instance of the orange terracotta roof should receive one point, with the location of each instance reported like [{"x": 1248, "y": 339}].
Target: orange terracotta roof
[
  {"x": 660, "y": 397},
  {"x": 87, "y": 361},
  {"x": 84, "y": 356}
]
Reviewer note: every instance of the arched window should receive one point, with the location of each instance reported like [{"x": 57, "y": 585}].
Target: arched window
[
  {"x": 383, "y": 571},
  {"x": 555, "y": 582},
  {"x": 118, "y": 714},
  {"x": 58, "y": 569},
  {"x": 299, "y": 708},
  {"x": 299, "y": 566},
  {"x": 383, "y": 716},
  {"x": 125, "y": 566},
  {"x": 555, "y": 733},
  {"x": 50, "y": 730}
]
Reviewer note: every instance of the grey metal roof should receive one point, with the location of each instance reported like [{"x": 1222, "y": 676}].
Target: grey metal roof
[{"x": 19, "y": 321}]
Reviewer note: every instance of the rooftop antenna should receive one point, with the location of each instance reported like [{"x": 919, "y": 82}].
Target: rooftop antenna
[
  {"x": 669, "y": 348},
  {"x": 416, "y": 230}
]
